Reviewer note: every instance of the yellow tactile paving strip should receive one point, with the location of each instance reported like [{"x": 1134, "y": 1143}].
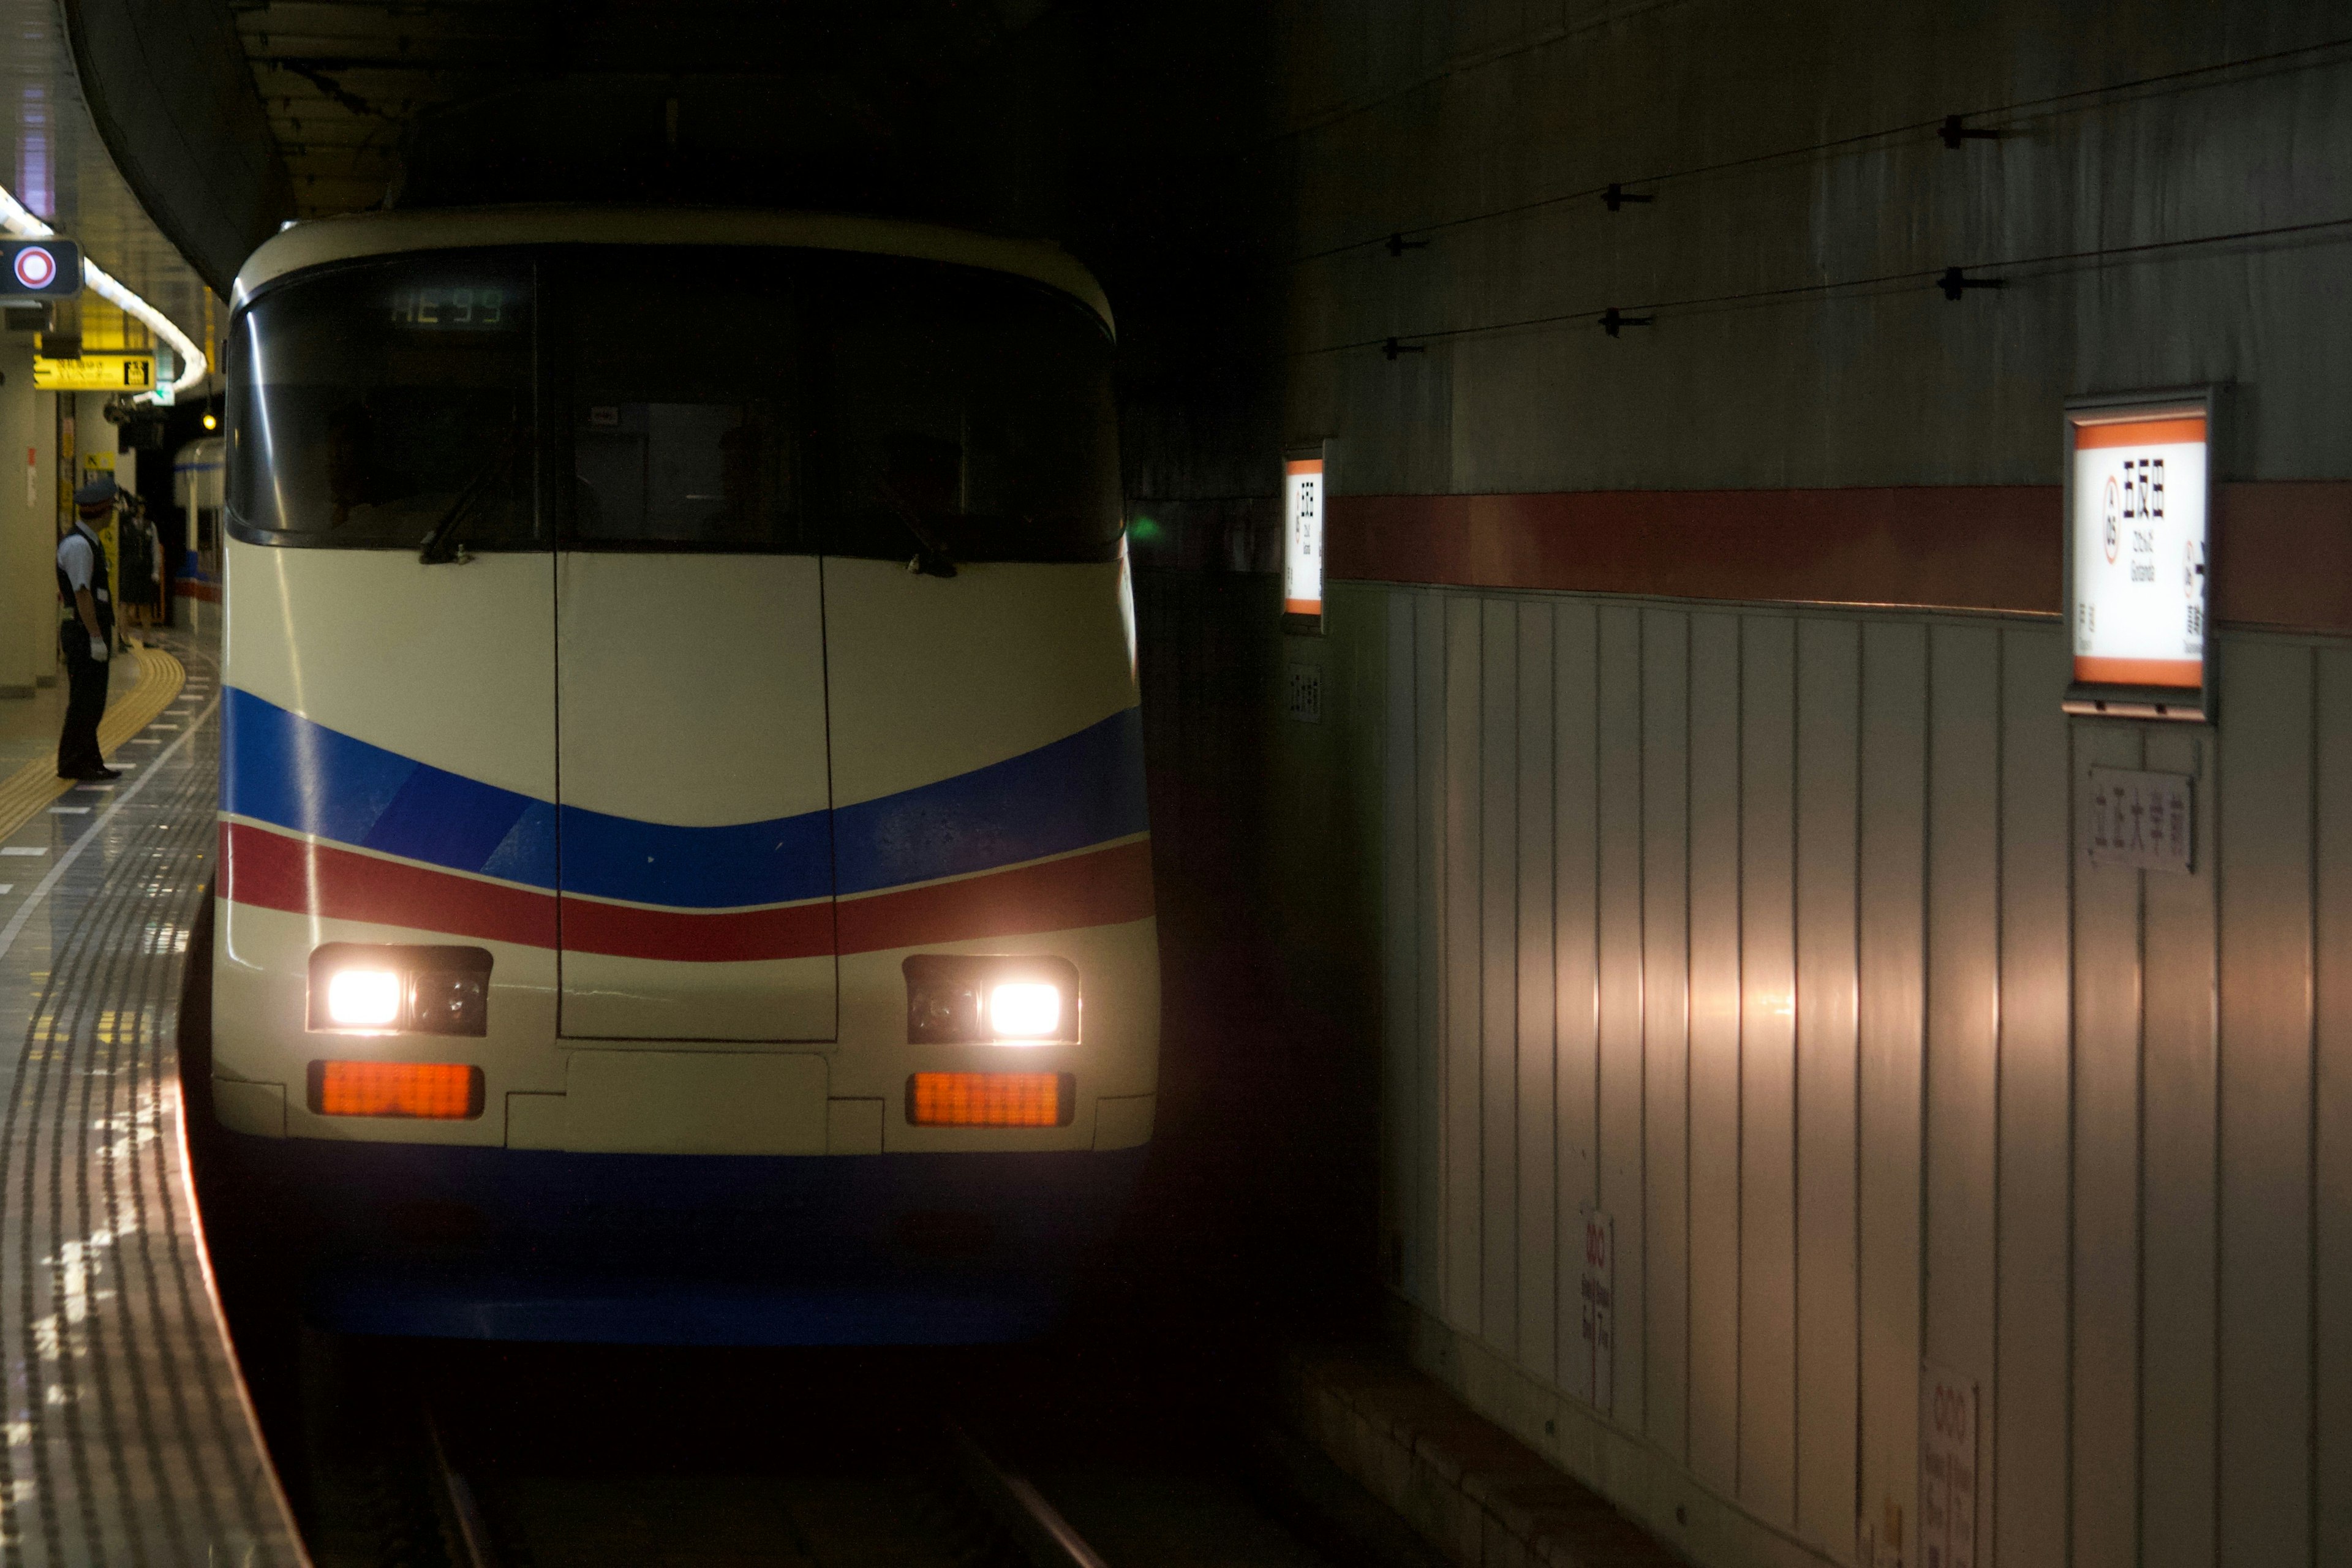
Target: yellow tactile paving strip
[{"x": 37, "y": 784}]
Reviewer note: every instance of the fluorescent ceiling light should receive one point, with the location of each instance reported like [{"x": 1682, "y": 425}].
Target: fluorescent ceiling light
[{"x": 18, "y": 219}]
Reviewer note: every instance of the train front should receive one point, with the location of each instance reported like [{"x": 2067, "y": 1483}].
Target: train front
[{"x": 685, "y": 872}]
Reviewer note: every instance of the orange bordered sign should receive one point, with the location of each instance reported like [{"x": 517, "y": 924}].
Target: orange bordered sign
[{"x": 2139, "y": 490}]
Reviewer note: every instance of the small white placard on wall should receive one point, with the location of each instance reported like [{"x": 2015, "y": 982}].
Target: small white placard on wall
[
  {"x": 1600, "y": 1292},
  {"x": 1305, "y": 693},
  {"x": 1947, "y": 1470},
  {"x": 2148, "y": 820}
]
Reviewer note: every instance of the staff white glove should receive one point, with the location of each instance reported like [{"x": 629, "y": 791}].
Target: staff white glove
[{"x": 97, "y": 648}]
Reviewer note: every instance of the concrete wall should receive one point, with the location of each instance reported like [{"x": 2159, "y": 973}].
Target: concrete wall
[
  {"x": 1489, "y": 130},
  {"x": 1764, "y": 927}
]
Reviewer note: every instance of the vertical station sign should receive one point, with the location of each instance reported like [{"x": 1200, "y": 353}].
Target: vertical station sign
[
  {"x": 1303, "y": 495},
  {"x": 2139, "y": 492}
]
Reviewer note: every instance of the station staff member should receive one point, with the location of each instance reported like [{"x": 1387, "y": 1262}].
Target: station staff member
[{"x": 88, "y": 636}]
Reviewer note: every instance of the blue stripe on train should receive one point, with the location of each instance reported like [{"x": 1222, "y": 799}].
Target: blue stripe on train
[{"x": 1084, "y": 789}]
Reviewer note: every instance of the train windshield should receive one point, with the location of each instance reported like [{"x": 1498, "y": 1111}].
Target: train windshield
[
  {"x": 711, "y": 399},
  {"x": 370, "y": 404}
]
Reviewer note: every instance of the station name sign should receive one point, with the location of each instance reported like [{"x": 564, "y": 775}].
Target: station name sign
[
  {"x": 2139, "y": 492},
  {"x": 36, "y": 269},
  {"x": 1303, "y": 497}
]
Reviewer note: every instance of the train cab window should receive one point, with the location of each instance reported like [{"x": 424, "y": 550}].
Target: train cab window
[
  {"x": 968, "y": 411},
  {"x": 370, "y": 404},
  {"x": 686, "y": 433},
  {"x": 835, "y": 401}
]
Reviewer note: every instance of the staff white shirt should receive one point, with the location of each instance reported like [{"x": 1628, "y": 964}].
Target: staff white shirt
[{"x": 78, "y": 562}]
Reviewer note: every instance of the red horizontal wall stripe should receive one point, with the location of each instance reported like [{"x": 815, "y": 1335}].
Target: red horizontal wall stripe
[
  {"x": 2283, "y": 556},
  {"x": 272, "y": 870}
]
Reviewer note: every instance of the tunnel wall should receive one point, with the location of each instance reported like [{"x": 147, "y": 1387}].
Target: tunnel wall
[
  {"x": 1718, "y": 867},
  {"x": 1758, "y": 929}
]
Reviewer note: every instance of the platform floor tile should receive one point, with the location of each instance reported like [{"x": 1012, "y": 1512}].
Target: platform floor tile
[{"x": 129, "y": 1439}]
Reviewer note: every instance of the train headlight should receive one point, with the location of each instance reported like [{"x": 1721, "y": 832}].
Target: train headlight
[
  {"x": 364, "y": 998},
  {"x": 960, "y": 999},
  {"x": 1024, "y": 1010},
  {"x": 400, "y": 988}
]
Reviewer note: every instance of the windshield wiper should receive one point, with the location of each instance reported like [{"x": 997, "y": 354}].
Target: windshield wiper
[
  {"x": 441, "y": 544},
  {"x": 931, "y": 558}
]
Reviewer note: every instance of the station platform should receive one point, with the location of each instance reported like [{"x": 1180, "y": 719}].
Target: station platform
[{"x": 129, "y": 1435}]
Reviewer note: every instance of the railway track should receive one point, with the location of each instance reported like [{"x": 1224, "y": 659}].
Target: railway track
[{"x": 435, "y": 1456}]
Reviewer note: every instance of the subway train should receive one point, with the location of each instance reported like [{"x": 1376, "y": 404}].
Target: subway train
[{"x": 685, "y": 872}]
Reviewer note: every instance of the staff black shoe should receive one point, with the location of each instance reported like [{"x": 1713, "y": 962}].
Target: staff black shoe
[{"x": 101, "y": 774}]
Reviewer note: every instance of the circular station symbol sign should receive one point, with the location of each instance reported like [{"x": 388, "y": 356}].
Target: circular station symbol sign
[{"x": 36, "y": 268}]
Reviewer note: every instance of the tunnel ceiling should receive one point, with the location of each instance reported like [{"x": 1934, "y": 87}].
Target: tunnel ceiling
[{"x": 449, "y": 101}]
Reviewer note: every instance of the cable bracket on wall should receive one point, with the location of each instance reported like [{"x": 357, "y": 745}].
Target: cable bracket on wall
[
  {"x": 1390, "y": 349},
  {"x": 1954, "y": 133},
  {"x": 1617, "y": 196},
  {"x": 1955, "y": 282},
  {"x": 1614, "y": 320},
  {"x": 1398, "y": 244}
]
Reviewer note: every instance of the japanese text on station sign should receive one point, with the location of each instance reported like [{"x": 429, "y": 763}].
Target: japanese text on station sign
[
  {"x": 2138, "y": 541},
  {"x": 1302, "y": 537},
  {"x": 2141, "y": 819}
]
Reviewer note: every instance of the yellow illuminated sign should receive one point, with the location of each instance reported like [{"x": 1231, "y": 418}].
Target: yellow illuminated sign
[{"x": 99, "y": 370}]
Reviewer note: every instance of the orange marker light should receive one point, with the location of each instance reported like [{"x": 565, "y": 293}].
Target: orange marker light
[
  {"x": 440, "y": 1091},
  {"x": 991, "y": 1098}
]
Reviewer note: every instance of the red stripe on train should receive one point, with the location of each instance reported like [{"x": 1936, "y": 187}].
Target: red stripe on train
[
  {"x": 271, "y": 870},
  {"x": 276, "y": 872}
]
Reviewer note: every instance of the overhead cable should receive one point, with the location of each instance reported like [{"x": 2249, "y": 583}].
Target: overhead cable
[
  {"x": 18, "y": 219},
  {"x": 1950, "y": 126},
  {"x": 1948, "y": 279}
]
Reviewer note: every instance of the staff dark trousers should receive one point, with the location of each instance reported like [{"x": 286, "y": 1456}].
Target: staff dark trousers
[{"x": 78, "y": 752}]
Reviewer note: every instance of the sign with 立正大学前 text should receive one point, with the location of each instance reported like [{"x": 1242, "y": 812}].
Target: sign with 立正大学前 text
[{"x": 2138, "y": 819}]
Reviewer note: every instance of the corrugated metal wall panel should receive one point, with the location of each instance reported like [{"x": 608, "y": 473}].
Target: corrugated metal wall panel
[
  {"x": 2331, "y": 1117},
  {"x": 1428, "y": 1112},
  {"x": 1768, "y": 1069},
  {"x": 1829, "y": 784},
  {"x": 2179, "y": 1180},
  {"x": 2107, "y": 1150},
  {"x": 1763, "y": 929},
  {"x": 1576, "y": 944},
  {"x": 2028, "y": 1463},
  {"x": 1539, "y": 1174},
  {"x": 1958, "y": 1250},
  {"x": 2265, "y": 1155},
  {"x": 1464, "y": 1175},
  {"x": 1399, "y": 981},
  {"x": 1891, "y": 1011},
  {"x": 1665, "y": 1324},
  {"x": 1498, "y": 969},
  {"x": 1617, "y": 1137},
  {"x": 1715, "y": 1051}
]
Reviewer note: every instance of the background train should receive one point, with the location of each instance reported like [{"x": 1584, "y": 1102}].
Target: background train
[{"x": 685, "y": 871}]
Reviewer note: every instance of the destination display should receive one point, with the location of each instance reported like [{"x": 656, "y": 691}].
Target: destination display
[{"x": 2138, "y": 501}]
